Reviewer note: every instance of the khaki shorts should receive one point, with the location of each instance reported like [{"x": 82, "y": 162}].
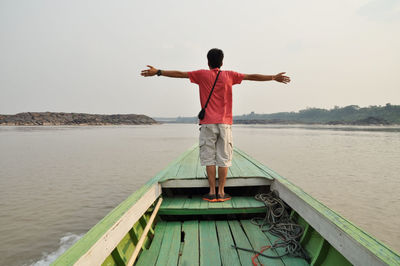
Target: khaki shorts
[{"x": 216, "y": 146}]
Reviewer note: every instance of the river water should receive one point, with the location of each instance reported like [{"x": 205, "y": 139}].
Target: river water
[{"x": 57, "y": 182}]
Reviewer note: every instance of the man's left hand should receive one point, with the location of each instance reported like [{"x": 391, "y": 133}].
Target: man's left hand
[{"x": 281, "y": 78}]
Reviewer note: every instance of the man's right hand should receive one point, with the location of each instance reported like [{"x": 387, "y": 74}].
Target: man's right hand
[{"x": 149, "y": 72}]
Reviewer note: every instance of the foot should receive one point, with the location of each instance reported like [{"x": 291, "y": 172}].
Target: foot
[
  {"x": 210, "y": 197},
  {"x": 224, "y": 197}
]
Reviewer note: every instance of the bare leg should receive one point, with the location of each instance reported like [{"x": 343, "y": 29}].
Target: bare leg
[
  {"x": 222, "y": 173},
  {"x": 211, "y": 172}
]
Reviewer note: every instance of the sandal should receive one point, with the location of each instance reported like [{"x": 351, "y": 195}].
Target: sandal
[
  {"x": 225, "y": 197},
  {"x": 210, "y": 197}
]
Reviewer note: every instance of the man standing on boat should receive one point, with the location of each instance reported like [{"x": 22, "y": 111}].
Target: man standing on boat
[{"x": 216, "y": 146}]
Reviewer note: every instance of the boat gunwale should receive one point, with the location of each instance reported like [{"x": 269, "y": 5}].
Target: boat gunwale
[
  {"x": 83, "y": 245},
  {"x": 372, "y": 244}
]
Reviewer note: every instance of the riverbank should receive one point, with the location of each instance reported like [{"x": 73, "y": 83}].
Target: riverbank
[{"x": 60, "y": 119}]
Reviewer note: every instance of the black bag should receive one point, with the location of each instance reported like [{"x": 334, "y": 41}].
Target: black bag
[{"x": 202, "y": 112}]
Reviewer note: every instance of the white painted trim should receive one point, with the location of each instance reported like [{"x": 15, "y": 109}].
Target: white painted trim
[
  {"x": 106, "y": 244},
  {"x": 203, "y": 182},
  {"x": 344, "y": 243},
  {"x": 144, "y": 234}
]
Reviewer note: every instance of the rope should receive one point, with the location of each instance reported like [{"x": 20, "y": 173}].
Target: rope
[
  {"x": 264, "y": 248},
  {"x": 277, "y": 222}
]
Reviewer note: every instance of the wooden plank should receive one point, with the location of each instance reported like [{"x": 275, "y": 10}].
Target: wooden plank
[
  {"x": 241, "y": 240},
  {"x": 204, "y": 204},
  {"x": 188, "y": 167},
  {"x": 210, "y": 211},
  {"x": 216, "y": 205},
  {"x": 166, "y": 202},
  {"x": 266, "y": 172},
  {"x": 109, "y": 261},
  {"x": 230, "y": 182},
  {"x": 96, "y": 254},
  {"x": 227, "y": 204},
  {"x": 230, "y": 174},
  {"x": 235, "y": 169},
  {"x": 196, "y": 205},
  {"x": 176, "y": 203},
  {"x": 190, "y": 252},
  {"x": 201, "y": 170},
  {"x": 172, "y": 170},
  {"x": 169, "y": 251},
  {"x": 247, "y": 168},
  {"x": 240, "y": 202},
  {"x": 229, "y": 255},
  {"x": 255, "y": 203},
  {"x": 144, "y": 234},
  {"x": 150, "y": 256},
  {"x": 209, "y": 249},
  {"x": 259, "y": 240},
  {"x": 125, "y": 248},
  {"x": 193, "y": 203}
]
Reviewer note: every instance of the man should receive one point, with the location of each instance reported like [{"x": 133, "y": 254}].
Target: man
[{"x": 216, "y": 127}]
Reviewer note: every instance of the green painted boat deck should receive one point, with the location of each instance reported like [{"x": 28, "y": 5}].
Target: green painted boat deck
[
  {"x": 208, "y": 242},
  {"x": 188, "y": 167},
  {"x": 197, "y": 206},
  {"x": 196, "y": 242}
]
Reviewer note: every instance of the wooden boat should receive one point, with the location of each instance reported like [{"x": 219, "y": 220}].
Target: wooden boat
[{"x": 166, "y": 222}]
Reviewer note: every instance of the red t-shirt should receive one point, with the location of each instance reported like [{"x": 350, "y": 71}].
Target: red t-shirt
[{"x": 219, "y": 108}]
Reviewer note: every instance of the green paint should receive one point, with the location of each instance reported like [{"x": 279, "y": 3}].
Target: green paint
[
  {"x": 211, "y": 211},
  {"x": 258, "y": 240},
  {"x": 334, "y": 258},
  {"x": 150, "y": 256},
  {"x": 169, "y": 251},
  {"x": 190, "y": 251},
  {"x": 229, "y": 255},
  {"x": 96, "y": 232},
  {"x": 376, "y": 247},
  {"x": 187, "y": 166},
  {"x": 109, "y": 261},
  {"x": 125, "y": 248},
  {"x": 209, "y": 249},
  {"x": 195, "y": 205},
  {"x": 117, "y": 258},
  {"x": 241, "y": 240}
]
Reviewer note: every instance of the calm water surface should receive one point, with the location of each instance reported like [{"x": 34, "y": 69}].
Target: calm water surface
[{"x": 57, "y": 182}]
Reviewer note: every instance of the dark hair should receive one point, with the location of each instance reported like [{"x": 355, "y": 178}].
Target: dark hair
[{"x": 215, "y": 57}]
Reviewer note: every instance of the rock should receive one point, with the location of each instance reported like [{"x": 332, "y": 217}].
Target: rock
[{"x": 51, "y": 119}]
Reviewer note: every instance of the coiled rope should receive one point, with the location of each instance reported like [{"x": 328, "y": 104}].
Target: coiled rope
[{"x": 277, "y": 222}]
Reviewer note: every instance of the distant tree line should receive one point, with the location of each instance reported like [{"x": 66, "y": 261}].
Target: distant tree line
[
  {"x": 352, "y": 114},
  {"x": 349, "y": 115}
]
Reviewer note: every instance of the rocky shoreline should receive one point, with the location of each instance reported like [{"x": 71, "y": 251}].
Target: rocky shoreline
[{"x": 73, "y": 119}]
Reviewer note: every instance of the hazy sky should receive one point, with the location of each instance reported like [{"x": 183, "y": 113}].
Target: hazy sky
[{"x": 86, "y": 56}]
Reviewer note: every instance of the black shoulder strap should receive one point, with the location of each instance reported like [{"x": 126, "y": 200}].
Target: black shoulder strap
[{"x": 209, "y": 96}]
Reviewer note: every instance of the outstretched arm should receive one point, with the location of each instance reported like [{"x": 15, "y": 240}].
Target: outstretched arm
[
  {"x": 257, "y": 77},
  {"x": 167, "y": 73}
]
